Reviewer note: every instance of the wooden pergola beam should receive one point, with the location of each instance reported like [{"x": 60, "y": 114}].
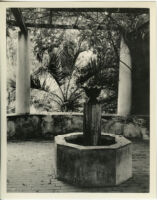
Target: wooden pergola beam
[
  {"x": 65, "y": 26},
  {"x": 57, "y": 26},
  {"x": 19, "y": 20},
  {"x": 110, "y": 10}
]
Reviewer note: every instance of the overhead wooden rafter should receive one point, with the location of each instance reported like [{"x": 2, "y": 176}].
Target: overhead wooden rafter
[
  {"x": 20, "y": 22},
  {"x": 111, "y": 10},
  {"x": 19, "y": 19},
  {"x": 56, "y": 26}
]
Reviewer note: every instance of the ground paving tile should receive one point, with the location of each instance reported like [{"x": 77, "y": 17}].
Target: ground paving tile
[{"x": 30, "y": 168}]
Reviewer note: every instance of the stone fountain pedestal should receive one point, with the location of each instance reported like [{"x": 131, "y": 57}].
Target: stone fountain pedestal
[{"x": 93, "y": 166}]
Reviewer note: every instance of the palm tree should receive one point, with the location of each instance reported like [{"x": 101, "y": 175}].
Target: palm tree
[{"x": 59, "y": 74}]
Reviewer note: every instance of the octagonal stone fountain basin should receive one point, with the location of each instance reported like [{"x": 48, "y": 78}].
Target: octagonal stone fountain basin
[{"x": 93, "y": 166}]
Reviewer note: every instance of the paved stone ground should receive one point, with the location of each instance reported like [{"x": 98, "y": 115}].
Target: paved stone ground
[{"x": 31, "y": 169}]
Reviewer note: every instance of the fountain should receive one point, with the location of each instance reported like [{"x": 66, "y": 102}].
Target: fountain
[{"x": 92, "y": 158}]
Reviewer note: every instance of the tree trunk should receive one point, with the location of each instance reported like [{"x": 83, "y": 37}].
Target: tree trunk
[{"x": 92, "y": 123}]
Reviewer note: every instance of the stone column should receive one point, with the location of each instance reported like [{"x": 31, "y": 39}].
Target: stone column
[
  {"x": 125, "y": 82},
  {"x": 23, "y": 75}
]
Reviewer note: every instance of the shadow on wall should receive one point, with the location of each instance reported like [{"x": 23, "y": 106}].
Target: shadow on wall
[{"x": 25, "y": 127}]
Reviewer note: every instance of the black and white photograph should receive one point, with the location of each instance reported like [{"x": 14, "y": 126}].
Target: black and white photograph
[{"x": 78, "y": 99}]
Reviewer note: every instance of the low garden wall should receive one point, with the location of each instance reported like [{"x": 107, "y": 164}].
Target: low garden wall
[{"x": 35, "y": 126}]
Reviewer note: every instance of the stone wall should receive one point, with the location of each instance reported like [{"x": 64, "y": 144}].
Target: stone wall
[
  {"x": 31, "y": 126},
  {"x": 130, "y": 127}
]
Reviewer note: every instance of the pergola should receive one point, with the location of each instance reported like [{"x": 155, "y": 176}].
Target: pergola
[{"x": 23, "y": 72}]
